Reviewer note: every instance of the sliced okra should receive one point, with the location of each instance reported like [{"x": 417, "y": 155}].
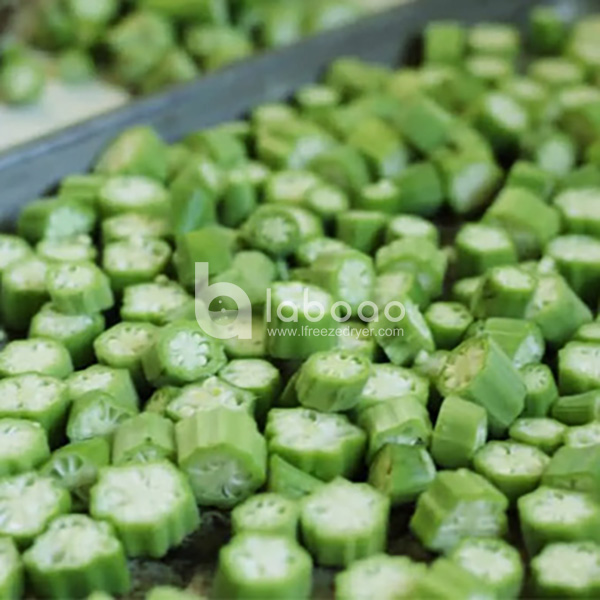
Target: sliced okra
[
  {"x": 327, "y": 201},
  {"x": 578, "y": 209},
  {"x": 240, "y": 198},
  {"x": 464, "y": 290},
  {"x": 255, "y": 347},
  {"x": 23, "y": 446},
  {"x": 576, "y": 367},
  {"x": 35, "y": 355},
  {"x": 529, "y": 94},
  {"x": 12, "y": 250},
  {"x": 82, "y": 187},
  {"x": 540, "y": 432},
  {"x": 290, "y": 187},
  {"x": 22, "y": 79},
  {"x": 132, "y": 194},
  {"x": 389, "y": 287},
  {"x": 11, "y": 581},
  {"x": 354, "y": 77},
  {"x": 317, "y": 101},
  {"x": 287, "y": 480},
  {"x": 127, "y": 225},
  {"x": 494, "y": 39},
  {"x": 448, "y": 322},
  {"x": 541, "y": 388},
  {"x": 531, "y": 177},
  {"x": 445, "y": 42},
  {"x": 421, "y": 189},
  {"x": 360, "y": 229},
  {"x": 575, "y": 468},
  {"x": 411, "y": 226},
  {"x": 577, "y": 409},
  {"x": 99, "y": 378},
  {"x": 588, "y": 333},
  {"x": 267, "y": 513},
  {"x": 382, "y": 196},
  {"x": 583, "y": 435},
  {"x": 79, "y": 248}
]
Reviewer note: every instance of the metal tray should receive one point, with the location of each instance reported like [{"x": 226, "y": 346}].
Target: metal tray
[{"x": 34, "y": 168}]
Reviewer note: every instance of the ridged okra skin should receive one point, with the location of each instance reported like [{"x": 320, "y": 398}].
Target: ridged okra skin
[
  {"x": 12, "y": 577},
  {"x": 23, "y": 446},
  {"x": 289, "y": 481},
  {"x": 541, "y": 432},
  {"x": 267, "y": 513},
  {"x": 575, "y": 468}
]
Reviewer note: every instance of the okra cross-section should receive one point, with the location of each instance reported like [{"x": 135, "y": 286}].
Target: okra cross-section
[
  {"x": 182, "y": 353},
  {"x": 255, "y": 566},
  {"x": 11, "y": 570},
  {"x": 342, "y": 522},
  {"x": 324, "y": 445},
  {"x": 144, "y": 438},
  {"x": 456, "y": 505},
  {"x": 132, "y": 193},
  {"x": 150, "y": 505},
  {"x": 99, "y": 378},
  {"x": 223, "y": 455},
  {"x": 76, "y": 556},
  {"x": 583, "y": 435},
  {"x": 541, "y": 432},
  {"x": 35, "y": 355},
  {"x": 578, "y": 367},
  {"x": 267, "y": 513},
  {"x": 23, "y": 446},
  {"x": 290, "y": 481},
  {"x": 575, "y": 468},
  {"x": 541, "y": 390}
]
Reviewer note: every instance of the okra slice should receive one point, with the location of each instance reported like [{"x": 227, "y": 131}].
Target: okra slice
[
  {"x": 135, "y": 260},
  {"x": 151, "y": 506},
  {"x": 332, "y": 381},
  {"x": 514, "y": 468},
  {"x": 76, "y": 332},
  {"x": 421, "y": 189},
  {"x": 531, "y": 177},
  {"x": 99, "y": 378},
  {"x": 399, "y": 284},
  {"x": 79, "y": 248},
  {"x": 160, "y": 399},
  {"x": 255, "y": 347},
  {"x": 578, "y": 209},
  {"x": 11, "y": 577},
  {"x": 132, "y": 194},
  {"x": 327, "y": 201},
  {"x": 323, "y": 445},
  {"x": 267, "y": 513},
  {"x": 460, "y": 431},
  {"x": 287, "y": 480},
  {"x": 75, "y": 467},
  {"x": 411, "y": 226},
  {"x": 154, "y": 302},
  {"x": 12, "y": 250},
  {"x": 567, "y": 570},
  {"x": 76, "y": 556},
  {"x": 240, "y": 197},
  {"x": 503, "y": 291},
  {"x": 223, "y": 455},
  {"x": 529, "y": 94},
  {"x": 495, "y": 39},
  {"x": 577, "y": 371},
  {"x": 448, "y": 322},
  {"x": 458, "y": 504},
  {"x": 163, "y": 592},
  {"x": 555, "y": 152},
  {"x": 540, "y": 432},
  {"x": 589, "y": 333},
  {"x": 575, "y": 468},
  {"x": 144, "y": 438},
  {"x": 379, "y": 576},
  {"x": 23, "y": 446},
  {"x": 182, "y": 353},
  {"x": 356, "y": 338},
  {"x": 257, "y": 376},
  {"x": 28, "y": 502},
  {"x": 80, "y": 187},
  {"x": 212, "y": 393},
  {"x": 578, "y": 409},
  {"x": 317, "y": 101},
  {"x": 126, "y": 225},
  {"x": 541, "y": 390},
  {"x": 490, "y": 71},
  {"x": 497, "y": 564},
  {"x": 23, "y": 292},
  {"x": 399, "y": 421},
  {"x": 79, "y": 288},
  {"x": 480, "y": 247},
  {"x": 401, "y": 472},
  {"x": 445, "y": 42},
  {"x": 479, "y": 371},
  {"x": 289, "y": 187},
  {"x": 583, "y": 435},
  {"x": 464, "y": 290},
  {"x": 35, "y": 355},
  {"x": 343, "y": 522},
  {"x": 273, "y": 229},
  {"x": 550, "y": 515},
  {"x": 361, "y": 229},
  {"x": 96, "y": 414},
  {"x": 55, "y": 218},
  {"x": 257, "y": 565},
  {"x": 22, "y": 79}
]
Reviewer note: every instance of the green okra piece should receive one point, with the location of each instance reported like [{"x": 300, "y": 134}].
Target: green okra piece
[
  {"x": 421, "y": 189},
  {"x": 12, "y": 580},
  {"x": 160, "y": 399},
  {"x": 555, "y": 152},
  {"x": 458, "y": 504},
  {"x": 549, "y": 515},
  {"x": 576, "y": 372},
  {"x": 164, "y": 592},
  {"x": 100, "y": 378},
  {"x": 496, "y": 563},
  {"x": 79, "y": 248},
  {"x": 460, "y": 431},
  {"x": 575, "y": 468},
  {"x": 480, "y": 247},
  {"x": 445, "y": 42},
  {"x": 240, "y": 198},
  {"x": 588, "y": 333},
  {"x": 344, "y": 167},
  {"x": 556, "y": 72},
  {"x": 530, "y": 94},
  {"x": 399, "y": 284},
  {"x": 327, "y": 201},
  {"x": 353, "y": 77},
  {"x": 529, "y": 176},
  {"x": 448, "y": 322},
  {"x": 215, "y": 46},
  {"x": 255, "y": 347},
  {"x": 223, "y": 455},
  {"x": 219, "y": 145},
  {"x": 76, "y": 556},
  {"x": 318, "y": 101},
  {"x": 325, "y": 522},
  {"x": 583, "y": 435},
  {"x": 266, "y": 513},
  {"x": 151, "y": 506},
  {"x": 547, "y": 30},
  {"x": 514, "y": 468},
  {"x": 40, "y": 496},
  {"x": 578, "y": 209},
  {"x": 479, "y": 371},
  {"x": 380, "y": 576},
  {"x": 362, "y": 230},
  {"x": 464, "y": 290},
  {"x": 75, "y": 467},
  {"x": 382, "y": 196},
  {"x": 22, "y": 79},
  {"x": 411, "y": 226},
  {"x": 147, "y": 437},
  {"x": 577, "y": 409},
  {"x": 401, "y": 472},
  {"x": 566, "y": 570},
  {"x": 289, "y": 186},
  {"x": 76, "y": 332},
  {"x": 175, "y": 67},
  {"x": 495, "y": 39},
  {"x": 332, "y": 381},
  {"x": 541, "y": 432},
  {"x": 23, "y": 446},
  {"x": 82, "y": 187},
  {"x": 260, "y": 565},
  {"x": 541, "y": 390},
  {"x": 123, "y": 194},
  {"x": 287, "y": 480},
  {"x": 12, "y": 250},
  {"x": 323, "y": 445},
  {"x": 138, "y": 151},
  {"x": 489, "y": 71},
  {"x": 35, "y": 355}
]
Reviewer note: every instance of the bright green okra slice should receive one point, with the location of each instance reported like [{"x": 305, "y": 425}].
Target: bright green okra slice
[
  {"x": 75, "y": 467},
  {"x": 99, "y": 378},
  {"x": 144, "y": 438},
  {"x": 76, "y": 332},
  {"x": 361, "y": 229},
  {"x": 12, "y": 250},
  {"x": 323, "y": 445},
  {"x": 399, "y": 421},
  {"x": 460, "y": 431},
  {"x": 379, "y": 576},
  {"x": 182, "y": 353},
  {"x": 579, "y": 210},
  {"x": 399, "y": 284},
  {"x": 212, "y": 393},
  {"x": 160, "y": 399},
  {"x": 464, "y": 290},
  {"x": 126, "y": 225},
  {"x": 79, "y": 248},
  {"x": 541, "y": 432},
  {"x": 541, "y": 390},
  {"x": 479, "y": 371},
  {"x": 165, "y": 592},
  {"x": 514, "y": 468},
  {"x": 577, "y": 367},
  {"x": 223, "y": 455},
  {"x": 445, "y": 42},
  {"x": 151, "y": 506},
  {"x": 35, "y": 355},
  {"x": 132, "y": 194},
  {"x": 22, "y": 79},
  {"x": 266, "y": 513},
  {"x": 81, "y": 187},
  {"x": 401, "y": 472},
  {"x": 494, "y": 561},
  {"x": 458, "y": 504},
  {"x": 567, "y": 570},
  {"x": 583, "y": 435},
  {"x": 575, "y": 468},
  {"x": 96, "y": 414},
  {"x": 76, "y": 556},
  {"x": 589, "y": 333},
  {"x": 254, "y": 566},
  {"x": 332, "y": 381},
  {"x": 383, "y": 196},
  {"x": 578, "y": 409},
  {"x": 287, "y": 480},
  {"x": 411, "y": 226},
  {"x": 28, "y": 502},
  {"x": 289, "y": 187},
  {"x": 11, "y": 571},
  {"x": 550, "y": 515},
  {"x": 342, "y": 522},
  {"x": 353, "y": 337},
  {"x": 448, "y": 322},
  {"x": 23, "y": 446}
]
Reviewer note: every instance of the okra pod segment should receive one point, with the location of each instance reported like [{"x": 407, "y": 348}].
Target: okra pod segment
[
  {"x": 99, "y": 378},
  {"x": 133, "y": 194},
  {"x": 575, "y": 468},
  {"x": 35, "y": 355},
  {"x": 266, "y": 513},
  {"x": 541, "y": 390},
  {"x": 448, "y": 322},
  {"x": 360, "y": 229},
  {"x": 411, "y": 226},
  {"x": 576, "y": 368},
  {"x": 445, "y": 43},
  {"x": 23, "y": 446},
  {"x": 11, "y": 581},
  {"x": 577, "y": 409},
  {"x": 541, "y": 432},
  {"x": 583, "y": 435},
  {"x": 287, "y": 480},
  {"x": 79, "y": 248}
]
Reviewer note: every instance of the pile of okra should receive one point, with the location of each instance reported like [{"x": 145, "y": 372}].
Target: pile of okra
[{"x": 386, "y": 370}]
